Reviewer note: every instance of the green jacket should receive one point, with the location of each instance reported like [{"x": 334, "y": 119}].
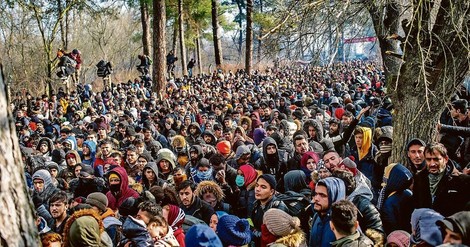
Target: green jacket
[{"x": 354, "y": 240}]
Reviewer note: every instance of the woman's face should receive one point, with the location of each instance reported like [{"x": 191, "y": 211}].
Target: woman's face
[
  {"x": 164, "y": 165},
  {"x": 213, "y": 222},
  {"x": 324, "y": 173},
  {"x": 311, "y": 165}
]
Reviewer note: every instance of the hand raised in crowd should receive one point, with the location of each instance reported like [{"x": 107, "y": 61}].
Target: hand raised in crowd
[
  {"x": 220, "y": 177},
  {"x": 363, "y": 110}
]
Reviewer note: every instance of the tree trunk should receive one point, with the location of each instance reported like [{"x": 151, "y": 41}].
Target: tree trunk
[
  {"x": 240, "y": 32},
  {"x": 215, "y": 33},
  {"x": 18, "y": 224},
  {"x": 62, "y": 25},
  {"x": 198, "y": 52},
  {"x": 159, "y": 54},
  {"x": 174, "y": 41},
  {"x": 430, "y": 72},
  {"x": 145, "y": 20},
  {"x": 249, "y": 36},
  {"x": 67, "y": 26},
  {"x": 181, "y": 34}
]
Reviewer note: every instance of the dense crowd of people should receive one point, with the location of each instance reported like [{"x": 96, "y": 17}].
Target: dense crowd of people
[{"x": 288, "y": 157}]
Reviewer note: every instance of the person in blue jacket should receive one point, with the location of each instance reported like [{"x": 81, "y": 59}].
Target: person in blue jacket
[{"x": 327, "y": 192}]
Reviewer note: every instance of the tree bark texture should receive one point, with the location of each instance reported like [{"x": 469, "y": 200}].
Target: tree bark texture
[
  {"x": 159, "y": 54},
  {"x": 435, "y": 61},
  {"x": 249, "y": 36},
  {"x": 174, "y": 41},
  {"x": 145, "y": 20},
  {"x": 17, "y": 227},
  {"x": 215, "y": 33},
  {"x": 181, "y": 35},
  {"x": 198, "y": 51}
]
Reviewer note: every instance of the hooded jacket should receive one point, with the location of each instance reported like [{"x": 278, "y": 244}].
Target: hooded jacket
[
  {"x": 92, "y": 146},
  {"x": 327, "y": 144},
  {"x": 192, "y": 139},
  {"x": 209, "y": 133},
  {"x": 85, "y": 228},
  {"x": 157, "y": 180},
  {"x": 321, "y": 234},
  {"x": 166, "y": 155},
  {"x": 50, "y": 146},
  {"x": 397, "y": 200},
  {"x": 273, "y": 164},
  {"x": 201, "y": 235},
  {"x": 460, "y": 223},
  {"x": 294, "y": 239},
  {"x": 247, "y": 120},
  {"x": 116, "y": 199},
  {"x": 190, "y": 168},
  {"x": 41, "y": 199},
  {"x": 77, "y": 156},
  {"x": 424, "y": 227}
]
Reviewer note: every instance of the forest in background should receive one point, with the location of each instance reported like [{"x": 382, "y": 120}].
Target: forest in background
[{"x": 117, "y": 31}]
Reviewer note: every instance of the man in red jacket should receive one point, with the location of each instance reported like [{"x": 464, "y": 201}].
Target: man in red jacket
[{"x": 119, "y": 189}]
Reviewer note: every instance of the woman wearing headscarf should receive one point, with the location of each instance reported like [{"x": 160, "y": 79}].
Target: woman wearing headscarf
[
  {"x": 308, "y": 164},
  {"x": 395, "y": 203},
  {"x": 246, "y": 181}
]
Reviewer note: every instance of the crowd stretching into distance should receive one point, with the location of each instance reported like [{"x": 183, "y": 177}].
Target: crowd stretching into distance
[{"x": 291, "y": 156}]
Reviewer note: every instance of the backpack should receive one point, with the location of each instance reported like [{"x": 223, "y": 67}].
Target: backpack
[{"x": 297, "y": 204}]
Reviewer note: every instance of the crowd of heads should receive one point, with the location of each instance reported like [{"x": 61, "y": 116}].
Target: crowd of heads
[{"x": 230, "y": 159}]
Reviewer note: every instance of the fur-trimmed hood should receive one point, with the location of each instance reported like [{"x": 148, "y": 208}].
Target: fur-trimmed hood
[
  {"x": 82, "y": 224},
  {"x": 209, "y": 186},
  {"x": 294, "y": 239},
  {"x": 245, "y": 119},
  {"x": 318, "y": 129}
]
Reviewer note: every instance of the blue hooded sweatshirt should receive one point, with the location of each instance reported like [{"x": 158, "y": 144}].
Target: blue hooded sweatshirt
[
  {"x": 321, "y": 234},
  {"x": 201, "y": 235},
  {"x": 92, "y": 146}
]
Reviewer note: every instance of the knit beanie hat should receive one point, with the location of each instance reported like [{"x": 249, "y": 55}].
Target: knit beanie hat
[
  {"x": 233, "y": 230},
  {"x": 399, "y": 238},
  {"x": 339, "y": 112},
  {"x": 270, "y": 179},
  {"x": 279, "y": 222},
  {"x": 113, "y": 175},
  {"x": 98, "y": 200},
  {"x": 224, "y": 147}
]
